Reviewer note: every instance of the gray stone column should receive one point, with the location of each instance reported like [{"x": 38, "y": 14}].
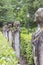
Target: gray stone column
[
  {"x": 5, "y": 31},
  {"x": 17, "y": 39},
  {"x": 9, "y": 33},
  {"x": 10, "y": 37}
]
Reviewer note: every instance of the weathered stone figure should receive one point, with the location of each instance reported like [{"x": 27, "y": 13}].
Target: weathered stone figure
[
  {"x": 17, "y": 38},
  {"x": 5, "y": 31},
  {"x": 10, "y": 38},
  {"x": 37, "y": 38}
]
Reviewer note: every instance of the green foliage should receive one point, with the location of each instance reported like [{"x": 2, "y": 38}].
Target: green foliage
[
  {"x": 20, "y": 10},
  {"x": 7, "y": 55},
  {"x": 24, "y": 30},
  {"x": 29, "y": 54},
  {"x": 26, "y": 47}
]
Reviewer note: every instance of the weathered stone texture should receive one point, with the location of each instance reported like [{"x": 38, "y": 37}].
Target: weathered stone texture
[{"x": 37, "y": 38}]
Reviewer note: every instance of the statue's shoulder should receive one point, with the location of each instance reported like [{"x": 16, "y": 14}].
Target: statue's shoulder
[{"x": 36, "y": 35}]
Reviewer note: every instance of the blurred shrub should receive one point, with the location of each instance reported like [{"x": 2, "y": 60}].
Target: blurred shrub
[
  {"x": 24, "y": 30},
  {"x": 7, "y": 55},
  {"x": 29, "y": 54},
  {"x": 26, "y": 47}
]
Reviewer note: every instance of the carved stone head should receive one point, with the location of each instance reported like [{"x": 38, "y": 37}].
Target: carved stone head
[
  {"x": 39, "y": 16},
  {"x": 16, "y": 23}
]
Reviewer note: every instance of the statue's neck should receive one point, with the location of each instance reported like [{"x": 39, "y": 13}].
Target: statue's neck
[{"x": 40, "y": 26}]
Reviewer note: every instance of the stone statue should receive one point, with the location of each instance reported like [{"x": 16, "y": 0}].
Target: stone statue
[
  {"x": 5, "y": 31},
  {"x": 17, "y": 38},
  {"x": 10, "y": 38},
  {"x": 37, "y": 38}
]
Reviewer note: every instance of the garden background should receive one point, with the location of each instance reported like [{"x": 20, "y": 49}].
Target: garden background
[{"x": 22, "y": 11}]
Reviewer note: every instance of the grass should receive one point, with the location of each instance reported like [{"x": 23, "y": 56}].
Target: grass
[{"x": 7, "y": 55}]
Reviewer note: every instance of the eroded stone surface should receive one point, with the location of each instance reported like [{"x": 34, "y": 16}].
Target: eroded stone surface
[{"x": 37, "y": 38}]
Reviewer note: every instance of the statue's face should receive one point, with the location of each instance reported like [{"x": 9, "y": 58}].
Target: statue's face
[
  {"x": 39, "y": 16},
  {"x": 36, "y": 18}
]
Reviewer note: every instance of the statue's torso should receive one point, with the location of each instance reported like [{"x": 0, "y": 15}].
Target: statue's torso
[{"x": 37, "y": 40}]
